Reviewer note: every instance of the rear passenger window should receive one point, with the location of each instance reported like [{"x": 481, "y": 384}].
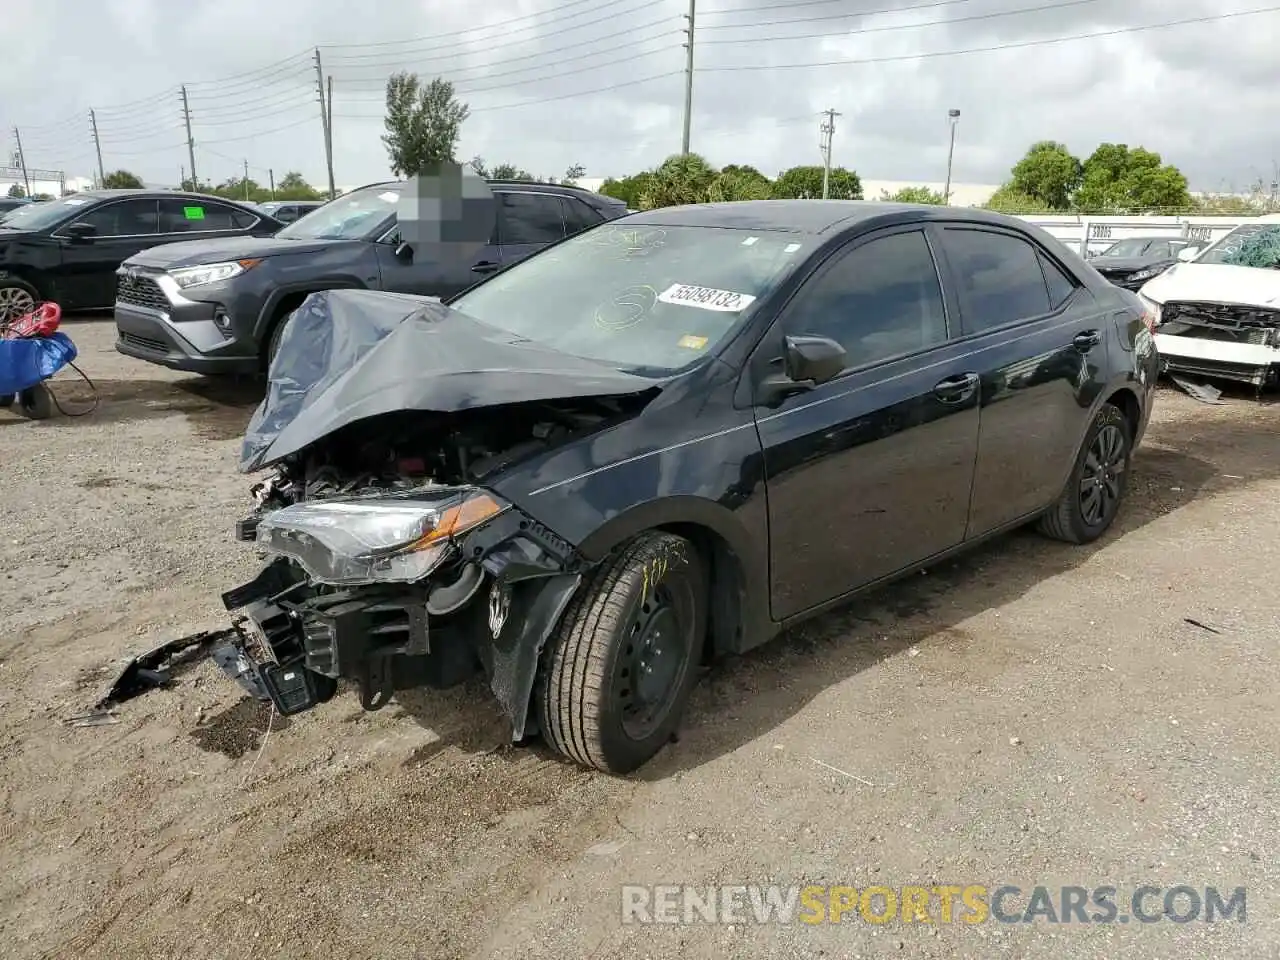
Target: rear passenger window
[
  {"x": 878, "y": 300},
  {"x": 1061, "y": 287},
  {"x": 999, "y": 277},
  {"x": 195, "y": 216},
  {"x": 531, "y": 218},
  {"x": 578, "y": 216}
]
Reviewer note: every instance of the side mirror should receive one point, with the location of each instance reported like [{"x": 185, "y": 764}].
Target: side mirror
[
  {"x": 403, "y": 251},
  {"x": 1188, "y": 253},
  {"x": 81, "y": 231},
  {"x": 806, "y": 363}
]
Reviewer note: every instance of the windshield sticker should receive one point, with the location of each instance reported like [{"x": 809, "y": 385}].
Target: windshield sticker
[
  {"x": 193, "y": 213},
  {"x": 705, "y": 298},
  {"x": 387, "y": 197},
  {"x": 690, "y": 342},
  {"x": 791, "y": 248},
  {"x": 74, "y": 202},
  {"x": 750, "y": 241}
]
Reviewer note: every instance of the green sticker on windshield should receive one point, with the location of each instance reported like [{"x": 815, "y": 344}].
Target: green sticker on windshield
[{"x": 193, "y": 213}]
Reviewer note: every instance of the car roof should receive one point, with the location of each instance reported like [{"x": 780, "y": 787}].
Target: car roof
[
  {"x": 810, "y": 216},
  {"x": 534, "y": 185},
  {"x": 158, "y": 194}
]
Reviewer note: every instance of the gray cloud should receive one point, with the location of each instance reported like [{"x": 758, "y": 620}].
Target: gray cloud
[{"x": 1201, "y": 95}]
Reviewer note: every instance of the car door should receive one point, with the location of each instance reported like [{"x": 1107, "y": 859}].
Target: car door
[
  {"x": 417, "y": 269},
  {"x": 121, "y": 228},
  {"x": 527, "y": 222},
  {"x": 1034, "y": 332},
  {"x": 870, "y": 472}
]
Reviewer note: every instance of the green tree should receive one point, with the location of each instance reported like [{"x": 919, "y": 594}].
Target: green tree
[
  {"x": 478, "y": 165},
  {"x": 509, "y": 171},
  {"x": 736, "y": 183},
  {"x": 574, "y": 173},
  {"x": 680, "y": 179},
  {"x": 292, "y": 186},
  {"x": 806, "y": 183},
  {"x": 1118, "y": 179},
  {"x": 43, "y": 196},
  {"x": 914, "y": 195},
  {"x": 240, "y": 188},
  {"x": 121, "y": 180},
  {"x": 17, "y": 191},
  {"x": 423, "y": 123},
  {"x": 1009, "y": 199},
  {"x": 629, "y": 189},
  {"x": 1049, "y": 173}
]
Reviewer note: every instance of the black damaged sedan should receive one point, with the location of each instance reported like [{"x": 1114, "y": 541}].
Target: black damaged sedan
[{"x": 666, "y": 439}]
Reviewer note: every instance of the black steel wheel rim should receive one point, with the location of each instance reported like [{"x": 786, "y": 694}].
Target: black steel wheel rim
[
  {"x": 1101, "y": 481},
  {"x": 652, "y": 661}
]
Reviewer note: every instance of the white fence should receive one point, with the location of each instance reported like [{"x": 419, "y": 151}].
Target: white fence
[{"x": 1093, "y": 234}]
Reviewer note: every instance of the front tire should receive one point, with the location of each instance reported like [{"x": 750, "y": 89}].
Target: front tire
[
  {"x": 1097, "y": 484},
  {"x": 618, "y": 671}
]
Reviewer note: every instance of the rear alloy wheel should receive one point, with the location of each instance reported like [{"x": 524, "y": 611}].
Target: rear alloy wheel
[
  {"x": 617, "y": 673},
  {"x": 1096, "y": 489}
]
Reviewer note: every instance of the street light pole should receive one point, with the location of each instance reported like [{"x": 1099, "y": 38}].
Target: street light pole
[{"x": 954, "y": 116}]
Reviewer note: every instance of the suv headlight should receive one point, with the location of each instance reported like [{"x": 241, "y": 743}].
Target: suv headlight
[
  {"x": 1152, "y": 307},
  {"x": 186, "y": 277},
  {"x": 387, "y": 538}
]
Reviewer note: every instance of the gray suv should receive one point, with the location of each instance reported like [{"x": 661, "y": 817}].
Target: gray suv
[{"x": 217, "y": 306}]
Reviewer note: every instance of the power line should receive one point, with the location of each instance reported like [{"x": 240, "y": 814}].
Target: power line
[
  {"x": 889, "y": 28},
  {"x": 886, "y": 11},
  {"x": 504, "y": 27},
  {"x": 1014, "y": 45}
]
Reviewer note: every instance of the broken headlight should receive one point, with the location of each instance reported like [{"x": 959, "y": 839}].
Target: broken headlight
[{"x": 396, "y": 538}]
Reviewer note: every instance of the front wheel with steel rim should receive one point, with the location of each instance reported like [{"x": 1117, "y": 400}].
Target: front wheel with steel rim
[
  {"x": 1098, "y": 481},
  {"x": 17, "y": 299},
  {"x": 617, "y": 672}
]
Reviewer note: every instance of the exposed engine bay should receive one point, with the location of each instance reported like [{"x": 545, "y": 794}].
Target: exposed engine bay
[{"x": 307, "y": 621}]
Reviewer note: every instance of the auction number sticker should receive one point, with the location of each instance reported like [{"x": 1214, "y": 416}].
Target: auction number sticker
[{"x": 705, "y": 298}]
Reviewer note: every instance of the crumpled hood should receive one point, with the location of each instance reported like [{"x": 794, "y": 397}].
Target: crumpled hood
[
  {"x": 348, "y": 355},
  {"x": 192, "y": 253},
  {"x": 1215, "y": 283}
]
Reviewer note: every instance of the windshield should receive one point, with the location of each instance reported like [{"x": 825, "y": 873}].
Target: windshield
[
  {"x": 1250, "y": 245},
  {"x": 645, "y": 299},
  {"x": 350, "y": 217},
  {"x": 38, "y": 216},
  {"x": 1132, "y": 247}
]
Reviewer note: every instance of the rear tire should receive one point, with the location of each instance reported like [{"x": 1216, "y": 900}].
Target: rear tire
[
  {"x": 17, "y": 299},
  {"x": 617, "y": 672},
  {"x": 1096, "y": 488}
]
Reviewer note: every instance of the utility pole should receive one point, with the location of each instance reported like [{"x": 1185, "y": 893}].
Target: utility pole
[
  {"x": 182, "y": 176},
  {"x": 325, "y": 120},
  {"x": 688, "y": 77},
  {"x": 22, "y": 162},
  {"x": 828, "y": 129},
  {"x": 271, "y": 178},
  {"x": 954, "y": 116},
  {"x": 97, "y": 146},
  {"x": 191, "y": 143},
  {"x": 245, "y": 181}
]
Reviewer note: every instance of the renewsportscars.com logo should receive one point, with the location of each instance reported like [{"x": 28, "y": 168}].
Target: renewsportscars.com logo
[{"x": 943, "y": 904}]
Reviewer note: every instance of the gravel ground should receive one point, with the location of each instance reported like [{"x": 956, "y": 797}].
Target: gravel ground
[{"x": 1031, "y": 714}]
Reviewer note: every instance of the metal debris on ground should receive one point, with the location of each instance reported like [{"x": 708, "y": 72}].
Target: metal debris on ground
[
  {"x": 1202, "y": 626},
  {"x": 1199, "y": 391},
  {"x": 153, "y": 669},
  {"x": 94, "y": 718}
]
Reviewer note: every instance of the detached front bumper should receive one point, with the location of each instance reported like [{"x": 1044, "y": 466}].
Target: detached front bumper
[
  {"x": 1255, "y": 363},
  {"x": 491, "y": 613}
]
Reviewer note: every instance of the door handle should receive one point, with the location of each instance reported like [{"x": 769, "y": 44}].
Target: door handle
[
  {"x": 485, "y": 266},
  {"x": 956, "y": 389},
  {"x": 1087, "y": 340}
]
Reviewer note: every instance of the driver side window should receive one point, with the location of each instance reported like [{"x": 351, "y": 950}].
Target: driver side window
[{"x": 879, "y": 300}]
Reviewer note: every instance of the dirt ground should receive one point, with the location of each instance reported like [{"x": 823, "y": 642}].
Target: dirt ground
[{"x": 1030, "y": 714}]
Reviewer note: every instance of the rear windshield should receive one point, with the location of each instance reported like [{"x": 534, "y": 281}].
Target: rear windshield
[{"x": 643, "y": 298}]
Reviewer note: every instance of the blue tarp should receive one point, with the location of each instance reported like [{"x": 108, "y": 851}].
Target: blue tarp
[{"x": 24, "y": 363}]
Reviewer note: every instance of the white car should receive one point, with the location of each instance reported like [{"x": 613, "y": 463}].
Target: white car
[{"x": 1218, "y": 311}]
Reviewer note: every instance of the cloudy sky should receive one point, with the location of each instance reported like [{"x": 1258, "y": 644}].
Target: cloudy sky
[{"x": 599, "y": 82}]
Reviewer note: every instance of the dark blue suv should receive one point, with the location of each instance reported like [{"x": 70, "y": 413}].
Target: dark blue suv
[{"x": 217, "y": 306}]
